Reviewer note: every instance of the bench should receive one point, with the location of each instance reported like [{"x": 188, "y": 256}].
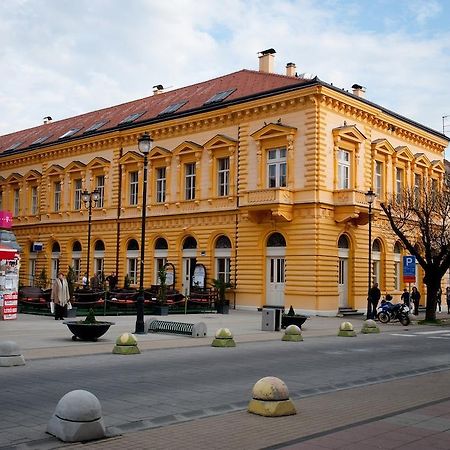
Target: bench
[{"x": 188, "y": 329}]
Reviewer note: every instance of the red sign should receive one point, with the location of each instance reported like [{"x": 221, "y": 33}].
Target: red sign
[
  {"x": 9, "y": 308},
  {"x": 5, "y": 219}
]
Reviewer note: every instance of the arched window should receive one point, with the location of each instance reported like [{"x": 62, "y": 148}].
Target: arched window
[
  {"x": 343, "y": 242},
  {"x": 76, "y": 247},
  {"x": 99, "y": 246},
  {"x": 276, "y": 240},
  {"x": 76, "y": 259},
  {"x": 222, "y": 255},
  {"x": 56, "y": 248},
  {"x": 161, "y": 253},
  {"x": 56, "y": 251},
  {"x": 189, "y": 243},
  {"x": 376, "y": 261},
  {"x": 99, "y": 258},
  {"x": 161, "y": 244},
  {"x": 132, "y": 260}
]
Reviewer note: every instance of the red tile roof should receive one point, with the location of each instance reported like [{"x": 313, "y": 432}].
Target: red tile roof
[{"x": 245, "y": 82}]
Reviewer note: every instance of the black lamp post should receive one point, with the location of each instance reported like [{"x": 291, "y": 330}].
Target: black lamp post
[
  {"x": 370, "y": 198},
  {"x": 145, "y": 145},
  {"x": 89, "y": 199}
]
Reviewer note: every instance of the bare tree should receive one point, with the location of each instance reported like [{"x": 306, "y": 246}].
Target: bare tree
[{"x": 421, "y": 219}]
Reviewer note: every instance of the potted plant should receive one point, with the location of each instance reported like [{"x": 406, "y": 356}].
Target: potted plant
[
  {"x": 292, "y": 319},
  {"x": 221, "y": 286},
  {"x": 161, "y": 308},
  {"x": 89, "y": 329}
]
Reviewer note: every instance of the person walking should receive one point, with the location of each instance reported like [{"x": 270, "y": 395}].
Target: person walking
[
  {"x": 405, "y": 297},
  {"x": 374, "y": 298},
  {"x": 60, "y": 296},
  {"x": 447, "y": 298},
  {"x": 415, "y": 298},
  {"x": 439, "y": 299}
]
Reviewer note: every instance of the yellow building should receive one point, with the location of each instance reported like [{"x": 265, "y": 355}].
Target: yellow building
[{"x": 259, "y": 177}]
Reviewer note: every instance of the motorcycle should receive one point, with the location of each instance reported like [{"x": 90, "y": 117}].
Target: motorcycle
[{"x": 388, "y": 311}]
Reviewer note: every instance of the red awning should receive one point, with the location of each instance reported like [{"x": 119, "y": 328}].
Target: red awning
[{"x": 8, "y": 252}]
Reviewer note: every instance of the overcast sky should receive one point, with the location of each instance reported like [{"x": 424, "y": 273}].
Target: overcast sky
[{"x": 66, "y": 57}]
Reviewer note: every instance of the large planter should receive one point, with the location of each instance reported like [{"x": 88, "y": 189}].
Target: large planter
[
  {"x": 287, "y": 320},
  {"x": 160, "y": 310},
  {"x": 223, "y": 308},
  {"x": 87, "y": 331}
]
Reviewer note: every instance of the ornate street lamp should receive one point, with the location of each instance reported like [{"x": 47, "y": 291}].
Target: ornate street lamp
[
  {"x": 145, "y": 145},
  {"x": 370, "y": 198},
  {"x": 90, "y": 199}
]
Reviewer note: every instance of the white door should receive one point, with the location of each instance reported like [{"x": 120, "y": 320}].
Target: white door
[
  {"x": 343, "y": 282},
  {"x": 188, "y": 269},
  {"x": 275, "y": 281}
]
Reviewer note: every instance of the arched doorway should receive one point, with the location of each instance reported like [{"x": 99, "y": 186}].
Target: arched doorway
[
  {"x": 189, "y": 263},
  {"x": 161, "y": 253},
  {"x": 99, "y": 258},
  {"x": 376, "y": 262},
  {"x": 56, "y": 252},
  {"x": 76, "y": 259},
  {"x": 132, "y": 261},
  {"x": 275, "y": 269},
  {"x": 222, "y": 256},
  {"x": 343, "y": 278}
]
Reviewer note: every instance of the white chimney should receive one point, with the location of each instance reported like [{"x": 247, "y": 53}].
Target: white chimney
[
  {"x": 267, "y": 60},
  {"x": 358, "y": 90},
  {"x": 290, "y": 69},
  {"x": 158, "y": 89},
  {"x": 47, "y": 119}
]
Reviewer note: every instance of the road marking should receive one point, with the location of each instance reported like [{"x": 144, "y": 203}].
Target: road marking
[
  {"x": 432, "y": 332},
  {"x": 407, "y": 335},
  {"x": 440, "y": 337}
]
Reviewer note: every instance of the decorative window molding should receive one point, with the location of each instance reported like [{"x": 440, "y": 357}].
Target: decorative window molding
[{"x": 188, "y": 153}]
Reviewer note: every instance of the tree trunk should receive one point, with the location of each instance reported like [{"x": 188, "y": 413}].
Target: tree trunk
[{"x": 433, "y": 283}]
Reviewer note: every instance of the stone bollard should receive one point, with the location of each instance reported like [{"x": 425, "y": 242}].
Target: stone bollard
[
  {"x": 77, "y": 417},
  {"x": 369, "y": 326},
  {"x": 293, "y": 333},
  {"x": 346, "y": 330},
  {"x": 223, "y": 338},
  {"x": 126, "y": 344},
  {"x": 271, "y": 398},
  {"x": 10, "y": 354}
]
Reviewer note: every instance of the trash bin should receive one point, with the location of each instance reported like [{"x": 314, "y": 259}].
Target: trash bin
[{"x": 271, "y": 319}]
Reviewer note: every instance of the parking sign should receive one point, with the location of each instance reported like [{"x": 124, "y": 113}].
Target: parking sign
[{"x": 409, "y": 269}]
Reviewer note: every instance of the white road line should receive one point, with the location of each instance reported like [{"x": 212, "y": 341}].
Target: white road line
[
  {"x": 432, "y": 332},
  {"x": 406, "y": 335},
  {"x": 439, "y": 337}
]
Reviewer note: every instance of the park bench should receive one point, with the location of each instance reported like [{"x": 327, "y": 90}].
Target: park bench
[{"x": 188, "y": 329}]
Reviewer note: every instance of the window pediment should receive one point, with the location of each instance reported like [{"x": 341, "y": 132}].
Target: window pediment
[
  {"x": 422, "y": 160},
  {"x": 159, "y": 152},
  {"x": 438, "y": 166},
  {"x": 187, "y": 147},
  {"x": 131, "y": 158},
  {"x": 75, "y": 166},
  {"x": 55, "y": 169},
  {"x": 403, "y": 152},
  {"x": 220, "y": 141},
  {"x": 33, "y": 175},
  {"x": 382, "y": 146},
  {"x": 14, "y": 178},
  {"x": 273, "y": 130},
  {"x": 349, "y": 133},
  {"x": 98, "y": 163}
]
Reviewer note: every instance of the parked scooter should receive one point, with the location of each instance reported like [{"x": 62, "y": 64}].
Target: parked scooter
[{"x": 387, "y": 311}]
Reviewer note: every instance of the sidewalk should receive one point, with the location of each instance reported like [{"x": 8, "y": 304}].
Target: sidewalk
[{"x": 410, "y": 413}]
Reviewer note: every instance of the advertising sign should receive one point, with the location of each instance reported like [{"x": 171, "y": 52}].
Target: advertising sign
[
  {"x": 5, "y": 219},
  {"x": 409, "y": 269}
]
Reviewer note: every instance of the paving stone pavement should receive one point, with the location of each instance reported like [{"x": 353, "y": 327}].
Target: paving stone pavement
[{"x": 409, "y": 412}]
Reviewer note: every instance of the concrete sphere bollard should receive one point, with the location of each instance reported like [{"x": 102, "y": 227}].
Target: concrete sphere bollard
[
  {"x": 10, "y": 354},
  {"x": 77, "y": 417},
  {"x": 126, "y": 344},
  {"x": 369, "y": 326},
  {"x": 223, "y": 338},
  {"x": 346, "y": 330},
  {"x": 293, "y": 333},
  {"x": 271, "y": 398}
]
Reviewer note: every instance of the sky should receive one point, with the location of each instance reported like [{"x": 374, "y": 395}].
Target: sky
[{"x": 61, "y": 58}]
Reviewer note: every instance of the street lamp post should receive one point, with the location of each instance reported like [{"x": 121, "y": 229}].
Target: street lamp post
[
  {"x": 145, "y": 145},
  {"x": 370, "y": 198},
  {"x": 89, "y": 199}
]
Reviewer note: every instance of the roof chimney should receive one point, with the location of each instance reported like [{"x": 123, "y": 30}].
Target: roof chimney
[
  {"x": 47, "y": 119},
  {"x": 266, "y": 60},
  {"x": 158, "y": 89},
  {"x": 358, "y": 90},
  {"x": 290, "y": 69}
]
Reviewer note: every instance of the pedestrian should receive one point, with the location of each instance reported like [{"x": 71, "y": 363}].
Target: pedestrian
[
  {"x": 447, "y": 297},
  {"x": 112, "y": 281},
  {"x": 415, "y": 298},
  {"x": 374, "y": 298},
  {"x": 439, "y": 299},
  {"x": 60, "y": 296},
  {"x": 84, "y": 281},
  {"x": 405, "y": 297}
]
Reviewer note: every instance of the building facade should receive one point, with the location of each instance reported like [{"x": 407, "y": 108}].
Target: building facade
[{"x": 260, "y": 178}]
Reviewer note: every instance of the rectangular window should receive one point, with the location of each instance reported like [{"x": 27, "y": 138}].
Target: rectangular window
[
  {"x": 417, "y": 187},
  {"x": 399, "y": 184},
  {"x": 223, "y": 177},
  {"x": 32, "y": 274},
  {"x": 343, "y": 169},
  {"x": 133, "y": 188},
  {"x": 100, "y": 186},
  {"x": 160, "y": 184},
  {"x": 159, "y": 263},
  {"x": 77, "y": 194},
  {"x": 132, "y": 264},
  {"x": 276, "y": 168},
  {"x": 76, "y": 264},
  {"x": 57, "y": 196},
  {"x": 189, "y": 191},
  {"x": 16, "y": 202},
  {"x": 223, "y": 266},
  {"x": 397, "y": 275},
  {"x": 379, "y": 178},
  {"x": 34, "y": 200}
]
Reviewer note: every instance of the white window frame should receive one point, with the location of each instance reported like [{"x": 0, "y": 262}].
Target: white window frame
[
  {"x": 100, "y": 186},
  {"x": 399, "y": 176},
  {"x": 57, "y": 196},
  {"x": 16, "y": 202},
  {"x": 132, "y": 269},
  {"x": 34, "y": 200},
  {"x": 134, "y": 187},
  {"x": 379, "y": 178},
  {"x": 189, "y": 181},
  {"x": 78, "y": 189},
  {"x": 277, "y": 167},
  {"x": 223, "y": 177},
  {"x": 344, "y": 166},
  {"x": 161, "y": 182}
]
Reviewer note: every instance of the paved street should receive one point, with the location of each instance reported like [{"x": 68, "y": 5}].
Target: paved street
[{"x": 176, "y": 379}]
